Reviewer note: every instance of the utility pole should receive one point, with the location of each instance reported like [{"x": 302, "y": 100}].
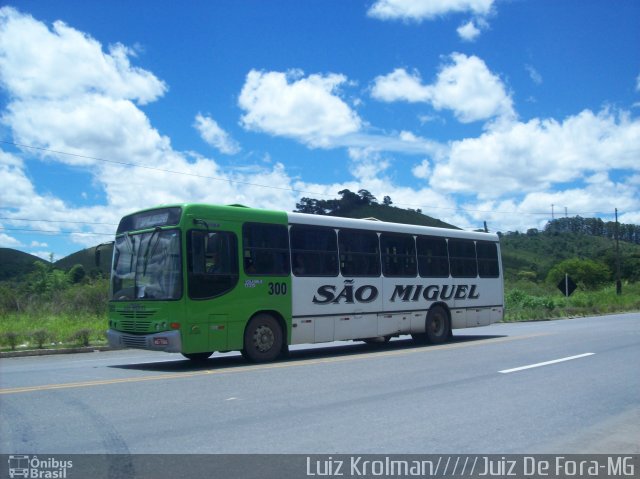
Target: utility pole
[
  {"x": 618, "y": 281},
  {"x": 566, "y": 213},
  {"x": 552, "y": 215}
]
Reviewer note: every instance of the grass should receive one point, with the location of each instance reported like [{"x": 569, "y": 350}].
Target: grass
[
  {"x": 50, "y": 331},
  {"x": 526, "y": 301}
]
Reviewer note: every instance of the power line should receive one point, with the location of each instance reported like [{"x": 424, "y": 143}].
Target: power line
[
  {"x": 164, "y": 170},
  {"x": 280, "y": 188},
  {"x": 57, "y": 221},
  {"x": 55, "y": 233}
]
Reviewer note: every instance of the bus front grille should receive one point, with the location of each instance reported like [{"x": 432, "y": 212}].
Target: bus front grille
[
  {"x": 139, "y": 342},
  {"x": 135, "y": 326},
  {"x": 135, "y": 314}
]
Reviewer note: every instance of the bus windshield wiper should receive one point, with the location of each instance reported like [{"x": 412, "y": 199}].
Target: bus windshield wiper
[
  {"x": 147, "y": 253},
  {"x": 128, "y": 242}
]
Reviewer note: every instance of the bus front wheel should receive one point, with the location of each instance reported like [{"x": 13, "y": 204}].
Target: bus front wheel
[
  {"x": 437, "y": 327},
  {"x": 262, "y": 339}
]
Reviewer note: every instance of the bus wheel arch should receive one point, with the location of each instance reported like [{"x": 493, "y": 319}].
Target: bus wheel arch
[
  {"x": 264, "y": 337},
  {"x": 438, "y": 324}
]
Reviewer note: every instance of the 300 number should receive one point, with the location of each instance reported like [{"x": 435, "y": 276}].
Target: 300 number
[{"x": 277, "y": 288}]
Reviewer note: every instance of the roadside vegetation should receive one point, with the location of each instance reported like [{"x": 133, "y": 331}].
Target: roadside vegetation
[
  {"x": 50, "y": 308},
  {"x": 526, "y": 301}
]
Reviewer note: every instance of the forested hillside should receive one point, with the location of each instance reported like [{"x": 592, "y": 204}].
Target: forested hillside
[
  {"x": 364, "y": 205},
  {"x": 532, "y": 255}
]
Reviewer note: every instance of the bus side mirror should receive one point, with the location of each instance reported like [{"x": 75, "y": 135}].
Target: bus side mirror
[{"x": 97, "y": 253}]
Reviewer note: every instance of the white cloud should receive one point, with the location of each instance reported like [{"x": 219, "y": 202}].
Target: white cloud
[
  {"x": 470, "y": 90},
  {"x": 419, "y": 10},
  {"x": 88, "y": 125},
  {"x": 215, "y": 136},
  {"x": 7, "y": 241},
  {"x": 399, "y": 85},
  {"x": 422, "y": 170},
  {"x": 534, "y": 74},
  {"x": 57, "y": 106},
  {"x": 468, "y": 31},
  {"x": 465, "y": 86},
  {"x": 15, "y": 186},
  {"x": 36, "y": 62},
  {"x": 516, "y": 158},
  {"x": 307, "y": 109},
  {"x": 367, "y": 165}
]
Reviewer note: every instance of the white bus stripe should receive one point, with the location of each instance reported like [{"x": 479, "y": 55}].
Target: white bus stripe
[{"x": 546, "y": 363}]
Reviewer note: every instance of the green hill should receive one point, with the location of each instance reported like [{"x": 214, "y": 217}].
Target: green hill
[
  {"x": 532, "y": 255},
  {"x": 86, "y": 258},
  {"x": 394, "y": 215},
  {"x": 15, "y": 263},
  {"x": 364, "y": 205}
]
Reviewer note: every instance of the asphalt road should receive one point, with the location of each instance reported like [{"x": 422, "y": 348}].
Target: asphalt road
[{"x": 569, "y": 386}]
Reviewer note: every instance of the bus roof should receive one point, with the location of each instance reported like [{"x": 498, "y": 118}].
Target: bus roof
[
  {"x": 329, "y": 221},
  {"x": 385, "y": 226}
]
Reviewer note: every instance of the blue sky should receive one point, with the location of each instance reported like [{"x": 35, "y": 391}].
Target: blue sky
[{"x": 471, "y": 110}]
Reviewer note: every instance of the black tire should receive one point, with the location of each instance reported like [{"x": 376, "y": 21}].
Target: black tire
[
  {"x": 263, "y": 339},
  {"x": 377, "y": 340},
  {"x": 420, "y": 338},
  {"x": 438, "y": 326},
  {"x": 197, "y": 357}
]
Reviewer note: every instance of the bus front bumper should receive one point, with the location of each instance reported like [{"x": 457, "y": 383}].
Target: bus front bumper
[{"x": 167, "y": 341}]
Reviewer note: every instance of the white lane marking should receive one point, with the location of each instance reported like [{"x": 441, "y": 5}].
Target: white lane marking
[{"x": 546, "y": 363}]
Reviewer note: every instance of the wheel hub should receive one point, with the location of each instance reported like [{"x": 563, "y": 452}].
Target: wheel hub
[{"x": 263, "y": 338}]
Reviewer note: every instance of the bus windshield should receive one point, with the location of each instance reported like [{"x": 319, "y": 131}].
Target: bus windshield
[{"x": 147, "y": 266}]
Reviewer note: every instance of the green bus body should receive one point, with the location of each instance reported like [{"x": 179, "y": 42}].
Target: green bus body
[{"x": 204, "y": 325}]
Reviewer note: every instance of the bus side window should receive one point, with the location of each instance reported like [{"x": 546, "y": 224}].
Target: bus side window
[
  {"x": 212, "y": 263},
  {"x": 359, "y": 253},
  {"x": 462, "y": 256},
  {"x": 398, "y": 255},
  {"x": 314, "y": 251},
  {"x": 488, "y": 265},
  {"x": 433, "y": 257},
  {"x": 265, "y": 249}
]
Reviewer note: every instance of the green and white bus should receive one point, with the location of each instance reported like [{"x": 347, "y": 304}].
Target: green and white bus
[{"x": 197, "y": 278}]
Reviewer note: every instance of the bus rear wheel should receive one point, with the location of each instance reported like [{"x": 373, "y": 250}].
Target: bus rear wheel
[
  {"x": 262, "y": 339},
  {"x": 438, "y": 327}
]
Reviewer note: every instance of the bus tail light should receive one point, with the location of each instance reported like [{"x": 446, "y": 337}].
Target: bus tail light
[{"x": 175, "y": 325}]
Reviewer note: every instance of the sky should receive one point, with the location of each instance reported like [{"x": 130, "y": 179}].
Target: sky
[{"x": 504, "y": 111}]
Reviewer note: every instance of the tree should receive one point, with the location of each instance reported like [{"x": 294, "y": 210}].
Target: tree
[
  {"x": 310, "y": 206},
  {"x": 367, "y": 198},
  {"x": 586, "y": 272},
  {"x": 349, "y": 200},
  {"x": 76, "y": 273},
  {"x": 387, "y": 201},
  {"x": 45, "y": 279}
]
